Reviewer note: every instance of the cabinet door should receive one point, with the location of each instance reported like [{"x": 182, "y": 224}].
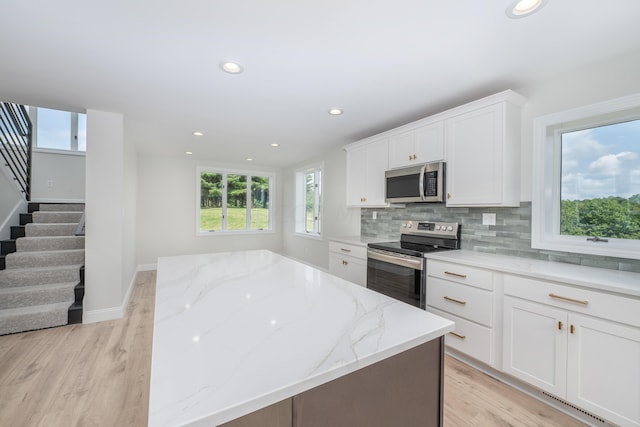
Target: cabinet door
[
  {"x": 535, "y": 344},
  {"x": 429, "y": 143},
  {"x": 474, "y": 157},
  {"x": 377, "y": 162},
  {"x": 365, "y": 174},
  {"x": 402, "y": 150},
  {"x": 356, "y": 175},
  {"x": 603, "y": 374}
]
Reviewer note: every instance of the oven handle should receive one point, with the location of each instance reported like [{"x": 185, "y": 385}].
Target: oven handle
[{"x": 392, "y": 258}]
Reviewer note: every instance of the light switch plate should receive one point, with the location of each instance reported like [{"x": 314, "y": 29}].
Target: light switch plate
[{"x": 488, "y": 219}]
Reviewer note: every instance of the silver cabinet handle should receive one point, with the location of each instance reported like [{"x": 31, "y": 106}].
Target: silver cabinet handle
[{"x": 345, "y": 250}]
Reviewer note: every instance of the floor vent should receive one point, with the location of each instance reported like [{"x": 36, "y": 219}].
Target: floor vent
[{"x": 564, "y": 402}]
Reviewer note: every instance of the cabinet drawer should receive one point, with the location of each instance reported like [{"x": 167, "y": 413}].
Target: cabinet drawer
[
  {"x": 599, "y": 304},
  {"x": 469, "y": 338},
  {"x": 349, "y": 268},
  {"x": 461, "y": 273},
  {"x": 347, "y": 249},
  {"x": 462, "y": 300}
]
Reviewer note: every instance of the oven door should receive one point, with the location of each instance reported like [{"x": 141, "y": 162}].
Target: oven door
[{"x": 397, "y": 275}]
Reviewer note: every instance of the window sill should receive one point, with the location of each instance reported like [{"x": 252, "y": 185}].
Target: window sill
[
  {"x": 232, "y": 232},
  {"x": 56, "y": 151},
  {"x": 309, "y": 235}
]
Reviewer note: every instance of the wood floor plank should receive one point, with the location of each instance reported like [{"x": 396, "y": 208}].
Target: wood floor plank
[{"x": 98, "y": 375}]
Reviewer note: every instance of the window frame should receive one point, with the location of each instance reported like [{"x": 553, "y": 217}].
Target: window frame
[
  {"x": 301, "y": 200},
  {"x": 74, "y": 133},
  {"x": 249, "y": 174},
  {"x": 546, "y": 177}
]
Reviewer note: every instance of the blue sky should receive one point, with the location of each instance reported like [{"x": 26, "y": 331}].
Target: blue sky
[{"x": 601, "y": 162}]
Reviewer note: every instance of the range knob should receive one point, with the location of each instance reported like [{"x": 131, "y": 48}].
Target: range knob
[
  {"x": 409, "y": 225},
  {"x": 449, "y": 228},
  {"x": 437, "y": 227}
]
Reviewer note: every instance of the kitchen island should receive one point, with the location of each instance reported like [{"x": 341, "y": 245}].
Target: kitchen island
[{"x": 239, "y": 334}]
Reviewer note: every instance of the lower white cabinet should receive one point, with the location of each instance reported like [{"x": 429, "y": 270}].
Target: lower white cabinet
[
  {"x": 465, "y": 296},
  {"x": 554, "y": 339},
  {"x": 348, "y": 262}
]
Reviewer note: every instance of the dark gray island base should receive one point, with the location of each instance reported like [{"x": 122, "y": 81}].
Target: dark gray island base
[{"x": 403, "y": 390}]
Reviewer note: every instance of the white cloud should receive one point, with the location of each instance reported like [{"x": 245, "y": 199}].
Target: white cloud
[{"x": 582, "y": 144}]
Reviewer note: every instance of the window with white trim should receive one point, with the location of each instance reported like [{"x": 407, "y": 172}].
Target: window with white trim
[
  {"x": 234, "y": 201},
  {"x": 586, "y": 180},
  {"x": 309, "y": 200},
  {"x": 58, "y": 130}
]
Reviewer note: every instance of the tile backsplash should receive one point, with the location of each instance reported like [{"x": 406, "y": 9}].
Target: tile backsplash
[{"x": 510, "y": 236}]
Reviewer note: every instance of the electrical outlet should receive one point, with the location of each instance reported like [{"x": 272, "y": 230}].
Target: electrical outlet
[
  {"x": 49, "y": 184},
  {"x": 488, "y": 219},
  {"x": 374, "y": 215}
]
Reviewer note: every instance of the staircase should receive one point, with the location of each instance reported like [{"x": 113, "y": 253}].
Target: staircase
[{"x": 42, "y": 269}]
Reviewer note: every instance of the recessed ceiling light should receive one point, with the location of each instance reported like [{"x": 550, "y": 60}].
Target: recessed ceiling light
[
  {"x": 249, "y": 159},
  {"x": 275, "y": 144},
  {"x": 231, "y": 67},
  {"x": 197, "y": 133},
  {"x": 335, "y": 111},
  {"x": 522, "y": 8},
  {"x": 188, "y": 153}
]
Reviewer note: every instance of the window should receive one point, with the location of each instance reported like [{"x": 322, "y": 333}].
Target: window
[
  {"x": 309, "y": 200},
  {"x": 58, "y": 130},
  {"x": 233, "y": 201},
  {"x": 586, "y": 180}
]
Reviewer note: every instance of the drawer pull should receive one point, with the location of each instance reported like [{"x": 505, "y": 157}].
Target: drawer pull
[
  {"x": 462, "y": 276},
  {"x": 454, "y": 300},
  {"x": 575, "y": 301},
  {"x": 462, "y": 337},
  {"x": 345, "y": 250}
]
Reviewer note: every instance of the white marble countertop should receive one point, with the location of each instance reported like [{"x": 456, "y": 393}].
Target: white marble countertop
[
  {"x": 622, "y": 282},
  {"x": 236, "y": 332}
]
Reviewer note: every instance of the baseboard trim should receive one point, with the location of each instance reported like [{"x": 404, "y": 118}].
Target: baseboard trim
[
  {"x": 45, "y": 200},
  {"x": 147, "y": 267},
  {"x": 94, "y": 316},
  {"x": 12, "y": 219}
]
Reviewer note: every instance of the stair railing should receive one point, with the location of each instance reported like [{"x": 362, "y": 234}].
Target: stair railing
[{"x": 16, "y": 133}]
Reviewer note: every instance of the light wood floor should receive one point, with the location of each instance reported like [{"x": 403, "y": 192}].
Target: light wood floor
[{"x": 98, "y": 375}]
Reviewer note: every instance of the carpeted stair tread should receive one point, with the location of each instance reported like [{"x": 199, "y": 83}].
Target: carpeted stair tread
[
  {"x": 44, "y": 258},
  {"x": 47, "y": 243},
  {"x": 38, "y": 276},
  {"x": 50, "y": 229},
  {"x": 34, "y": 317},
  {"x": 25, "y": 296},
  {"x": 61, "y": 207},
  {"x": 56, "y": 217}
]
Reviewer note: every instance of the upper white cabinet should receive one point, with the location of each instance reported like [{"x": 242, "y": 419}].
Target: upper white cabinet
[
  {"x": 483, "y": 152},
  {"x": 420, "y": 145},
  {"x": 366, "y": 165}
]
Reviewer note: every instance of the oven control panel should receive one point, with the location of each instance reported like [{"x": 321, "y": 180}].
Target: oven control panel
[{"x": 430, "y": 228}]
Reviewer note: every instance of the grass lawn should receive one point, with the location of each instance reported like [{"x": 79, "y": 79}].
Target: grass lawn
[{"x": 211, "y": 218}]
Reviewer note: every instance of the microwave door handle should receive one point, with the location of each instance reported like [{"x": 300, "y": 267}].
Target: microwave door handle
[{"x": 421, "y": 183}]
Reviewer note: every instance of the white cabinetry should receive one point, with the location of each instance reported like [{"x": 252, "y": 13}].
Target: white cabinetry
[
  {"x": 348, "y": 261},
  {"x": 366, "y": 165},
  {"x": 464, "y": 295},
  {"x": 577, "y": 344},
  {"x": 420, "y": 145},
  {"x": 483, "y": 152}
]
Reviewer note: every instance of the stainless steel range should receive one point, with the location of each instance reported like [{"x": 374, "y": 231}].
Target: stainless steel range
[{"x": 399, "y": 269}]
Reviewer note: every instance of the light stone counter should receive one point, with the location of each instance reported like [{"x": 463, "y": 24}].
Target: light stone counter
[
  {"x": 357, "y": 240},
  {"x": 236, "y": 332},
  {"x": 622, "y": 282}
]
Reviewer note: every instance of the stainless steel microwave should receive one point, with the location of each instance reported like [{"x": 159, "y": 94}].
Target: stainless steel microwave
[{"x": 422, "y": 183}]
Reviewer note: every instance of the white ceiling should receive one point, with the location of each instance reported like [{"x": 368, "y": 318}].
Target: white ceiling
[{"x": 385, "y": 62}]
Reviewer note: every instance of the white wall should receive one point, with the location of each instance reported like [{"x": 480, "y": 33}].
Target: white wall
[
  {"x": 64, "y": 171},
  {"x": 338, "y": 220},
  {"x": 167, "y": 206},
  {"x": 12, "y": 203},
  {"x": 108, "y": 251},
  {"x": 613, "y": 78}
]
